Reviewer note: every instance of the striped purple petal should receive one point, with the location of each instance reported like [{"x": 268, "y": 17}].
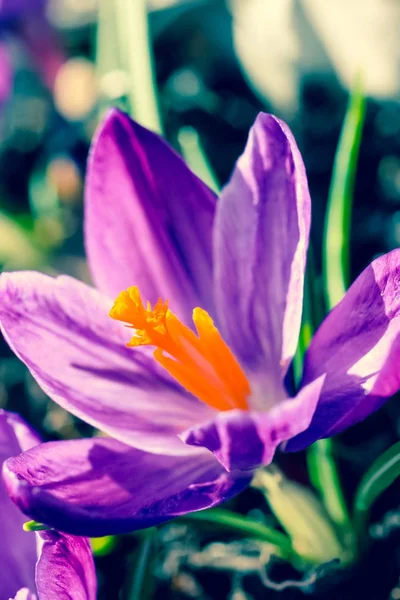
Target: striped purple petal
[
  {"x": 148, "y": 218},
  {"x": 61, "y": 330},
  {"x": 99, "y": 486},
  {"x": 357, "y": 347},
  {"x": 261, "y": 238}
]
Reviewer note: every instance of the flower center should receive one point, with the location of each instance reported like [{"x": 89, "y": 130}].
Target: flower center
[{"x": 202, "y": 363}]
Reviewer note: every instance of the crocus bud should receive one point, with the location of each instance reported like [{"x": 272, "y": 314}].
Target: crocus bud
[{"x": 302, "y": 515}]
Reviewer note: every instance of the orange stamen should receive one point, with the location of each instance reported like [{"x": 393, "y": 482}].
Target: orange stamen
[{"x": 202, "y": 363}]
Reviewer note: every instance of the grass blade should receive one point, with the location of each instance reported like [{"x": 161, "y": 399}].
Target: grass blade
[
  {"x": 374, "y": 482},
  {"x": 338, "y": 218}
]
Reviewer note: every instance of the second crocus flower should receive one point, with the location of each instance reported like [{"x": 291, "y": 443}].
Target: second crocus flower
[{"x": 47, "y": 565}]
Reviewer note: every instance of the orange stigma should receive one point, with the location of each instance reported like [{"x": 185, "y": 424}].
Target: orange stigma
[{"x": 202, "y": 363}]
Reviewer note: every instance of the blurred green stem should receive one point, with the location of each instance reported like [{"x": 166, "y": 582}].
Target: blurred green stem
[
  {"x": 107, "y": 51},
  {"x": 375, "y": 481},
  {"x": 137, "y": 57},
  {"x": 142, "y": 585}
]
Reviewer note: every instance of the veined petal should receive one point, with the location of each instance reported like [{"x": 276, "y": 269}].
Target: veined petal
[
  {"x": 261, "y": 238},
  {"x": 148, "y": 218},
  {"x": 99, "y": 486},
  {"x": 244, "y": 441},
  {"x": 358, "y": 348},
  {"x": 65, "y": 566},
  {"x": 17, "y": 548},
  {"x": 61, "y": 330}
]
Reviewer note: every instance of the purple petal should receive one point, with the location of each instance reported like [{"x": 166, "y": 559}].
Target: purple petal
[
  {"x": 358, "y": 347},
  {"x": 99, "y": 486},
  {"x": 261, "y": 239},
  {"x": 61, "y": 330},
  {"x": 148, "y": 219},
  {"x": 17, "y": 548},
  {"x": 65, "y": 568},
  {"x": 247, "y": 440}
]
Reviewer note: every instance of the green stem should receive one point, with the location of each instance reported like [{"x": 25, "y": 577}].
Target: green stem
[
  {"x": 110, "y": 75},
  {"x": 245, "y": 526},
  {"x": 137, "y": 57},
  {"x": 107, "y": 51}
]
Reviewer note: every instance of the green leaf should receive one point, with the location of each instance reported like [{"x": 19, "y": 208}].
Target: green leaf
[
  {"x": 338, "y": 218},
  {"x": 375, "y": 481},
  {"x": 313, "y": 313},
  {"x": 306, "y": 330},
  {"x": 324, "y": 476}
]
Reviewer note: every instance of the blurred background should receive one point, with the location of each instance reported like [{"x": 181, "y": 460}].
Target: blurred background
[{"x": 217, "y": 64}]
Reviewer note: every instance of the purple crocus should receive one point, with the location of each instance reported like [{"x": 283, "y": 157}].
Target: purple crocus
[
  {"x": 63, "y": 562},
  {"x": 189, "y": 424}
]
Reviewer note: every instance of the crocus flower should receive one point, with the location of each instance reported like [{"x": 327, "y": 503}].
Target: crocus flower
[
  {"x": 189, "y": 424},
  {"x": 47, "y": 565}
]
